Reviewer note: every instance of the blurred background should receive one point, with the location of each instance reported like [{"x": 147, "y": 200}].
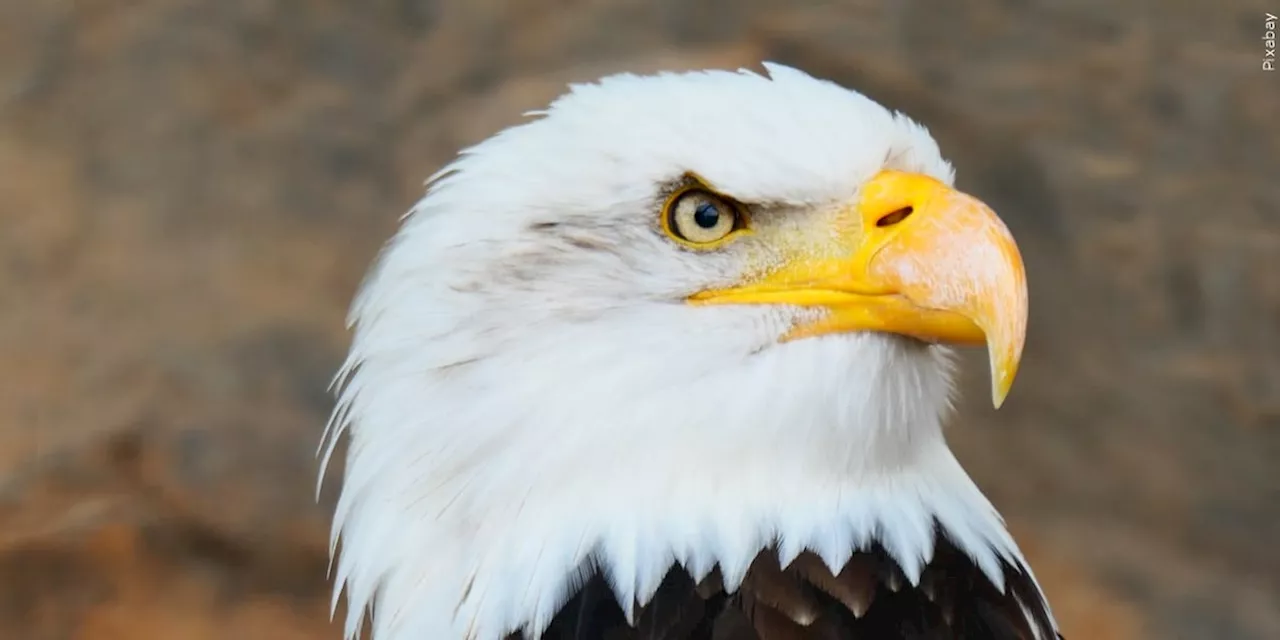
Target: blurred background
[{"x": 191, "y": 191}]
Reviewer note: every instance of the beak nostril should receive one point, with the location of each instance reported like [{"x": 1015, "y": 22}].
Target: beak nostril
[{"x": 894, "y": 218}]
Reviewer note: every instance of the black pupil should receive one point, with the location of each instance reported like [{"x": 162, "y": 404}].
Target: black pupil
[{"x": 706, "y": 215}]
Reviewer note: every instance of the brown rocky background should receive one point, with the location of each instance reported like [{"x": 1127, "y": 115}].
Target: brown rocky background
[{"x": 190, "y": 192}]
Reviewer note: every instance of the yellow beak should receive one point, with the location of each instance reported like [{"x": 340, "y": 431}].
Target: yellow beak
[{"x": 913, "y": 257}]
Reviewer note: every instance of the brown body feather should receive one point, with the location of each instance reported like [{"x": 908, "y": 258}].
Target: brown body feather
[{"x": 868, "y": 599}]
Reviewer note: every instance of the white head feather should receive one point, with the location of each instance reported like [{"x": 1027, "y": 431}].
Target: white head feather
[{"x": 528, "y": 397}]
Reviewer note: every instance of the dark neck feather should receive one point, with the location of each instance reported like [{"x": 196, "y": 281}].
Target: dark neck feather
[{"x": 869, "y": 598}]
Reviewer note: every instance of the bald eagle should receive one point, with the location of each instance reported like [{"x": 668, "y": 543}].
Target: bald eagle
[{"x": 671, "y": 361}]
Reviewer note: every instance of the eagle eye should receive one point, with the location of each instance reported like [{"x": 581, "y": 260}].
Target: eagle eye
[{"x": 700, "y": 218}]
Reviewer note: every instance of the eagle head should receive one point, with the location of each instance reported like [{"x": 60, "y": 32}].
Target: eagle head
[{"x": 672, "y": 321}]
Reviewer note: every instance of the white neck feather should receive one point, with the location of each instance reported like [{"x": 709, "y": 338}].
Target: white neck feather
[{"x": 473, "y": 519}]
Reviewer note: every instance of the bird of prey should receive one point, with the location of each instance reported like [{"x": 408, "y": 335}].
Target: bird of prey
[{"x": 670, "y": 361}]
